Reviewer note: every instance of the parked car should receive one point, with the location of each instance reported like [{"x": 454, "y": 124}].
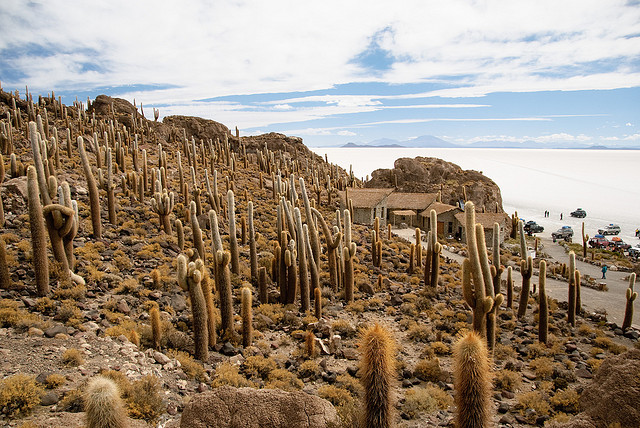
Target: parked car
[
  {"x": 533, "y": 227},
  {"x": 565, "y": 232},
  {"x": 599, "y": 241},
  {"x": 612, "y": 229},
  {"x": 580, "y": 213},
  {"x": 618, "y": 245},
  {"x": 634, "y": 252}
]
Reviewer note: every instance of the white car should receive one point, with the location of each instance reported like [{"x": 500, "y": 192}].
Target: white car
[{"x": 612, "y": 229}]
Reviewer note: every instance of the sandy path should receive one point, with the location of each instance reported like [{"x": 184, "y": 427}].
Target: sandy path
[{"x": 612, "y": 301}]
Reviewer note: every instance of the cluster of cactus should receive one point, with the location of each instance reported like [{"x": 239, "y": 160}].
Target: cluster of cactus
[
  {"x": 222, "y": 278},
  {"x": 480, "y": 296},
  {"x": 348, "y": 254},
  {"x": 190, "y": 276},
  {"x": 162, "y": 203}
]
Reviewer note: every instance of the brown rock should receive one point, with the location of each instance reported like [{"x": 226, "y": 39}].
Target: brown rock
[
  {"x": 228, "y": 407},
  {"x": 613, "y": 395},
  {"x": 424, "y": 174}
]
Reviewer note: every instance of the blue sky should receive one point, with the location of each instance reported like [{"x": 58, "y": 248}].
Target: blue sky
[{"x": 333, "y": 72}]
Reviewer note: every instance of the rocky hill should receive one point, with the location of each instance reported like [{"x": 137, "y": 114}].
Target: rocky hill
[
  {"x": 432, "y": 175},
  {"x": 166, "y": 284}
]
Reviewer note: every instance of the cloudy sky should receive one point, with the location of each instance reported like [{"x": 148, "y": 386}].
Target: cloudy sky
[{"x": 345, "y": 71}]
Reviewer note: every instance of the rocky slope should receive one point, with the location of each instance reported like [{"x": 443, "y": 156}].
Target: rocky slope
[{"x": 432, "y": 175}]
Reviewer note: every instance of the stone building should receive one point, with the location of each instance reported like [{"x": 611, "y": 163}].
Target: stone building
[
  {"x": 486, "y": 220},
  {"x": 367, "y": 204},
  {"x": 406, "y": 207},
  {"x": 446, "y": 216}
]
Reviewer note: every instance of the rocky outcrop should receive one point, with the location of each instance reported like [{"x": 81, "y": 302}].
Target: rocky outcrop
[
  {"x": 228, "y": 407},
  {"x": 279, "y": 142},
  {"x": 430, "y": 175},
  {"x": 201, "y": 129}
]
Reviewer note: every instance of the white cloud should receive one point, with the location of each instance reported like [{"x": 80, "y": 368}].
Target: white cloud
[{"x": 347, "y": 133}]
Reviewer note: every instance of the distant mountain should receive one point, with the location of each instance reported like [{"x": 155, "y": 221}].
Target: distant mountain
[{"x": 429, "y": 141}]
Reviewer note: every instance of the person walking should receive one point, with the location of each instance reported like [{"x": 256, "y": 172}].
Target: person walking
[
  {"x": 604, "y": 272},
  {"x": 560, "y": 216}
]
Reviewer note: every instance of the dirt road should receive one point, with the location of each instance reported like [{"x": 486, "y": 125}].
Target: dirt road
[{"x": 612, "y": 301}]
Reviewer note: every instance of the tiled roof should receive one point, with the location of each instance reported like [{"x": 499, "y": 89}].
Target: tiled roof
[
  {"x": 410, "y": 201},
  {"x": 366, "y": 198}
]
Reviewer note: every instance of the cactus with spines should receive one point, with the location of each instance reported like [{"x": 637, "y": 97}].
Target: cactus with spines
[
  {"x": 103, "y": 406},
  {"x": 156, "y": 326},
  {"x": 223, "y": 284},
  {"x": 190, "y": 276},
  {"x": 262, "y": 285},
  {"x": 310, "y": 344},
  {"x": 291, "y": 269},
  {"x": 348, "y": 252},
  {"x": 571, "y": 309},
  {"x": 162, "y": 203},
  {"x": 180, "y": 234},
  {"x": 94, "y": 198},
  {"x": 374, "y": 248},
  {"x": 509, "y": 287},
  {"x": 332, "y": 241},
  {"x": 631, "y": 296},
  {"x": 434, "y": 249},
  {"x": 198, "y": 242},
  {"x": 585, "y": 239},
  {"x": 313, "y": 268},
  {"x": 479, "y": 295},
  {"x": 302, "y": 263},
  {"x": 253, "y": 252},
  {"x": 38, "y": 241},
  {"x": 412, "y": 253},
  {"x": 377, "y": 368},
  {"x": 496, "y": 267},
  {"x": 526, "y": 270},
  {"x": 472, "y": 382},
  {"x": 317, "y": 300},
  {"x": 313, "y": 231},
  {"x": 523, "y": 241},
  {"x": 233, "y": 238},
  {"x": 57, "y": 230},
  {"x": 418, "y": 253},
  {"x": 247, "y": 317},
  {"x": 111, "y": 204},
  {"x": 543, "y": 304},
  {"x": 5, "y": 278}
]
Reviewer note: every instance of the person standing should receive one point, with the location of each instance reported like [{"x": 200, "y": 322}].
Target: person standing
[
  {"x": 560, "y": 216},
  {"x": 604, "y": 272}
]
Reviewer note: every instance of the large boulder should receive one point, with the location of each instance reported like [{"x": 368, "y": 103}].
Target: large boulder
[
  {"x": 201, "y": 129},
  {"x": 430, "y": 175},
  {"x": 228, "y": 407},
  {"x": 612, "y": 396}
]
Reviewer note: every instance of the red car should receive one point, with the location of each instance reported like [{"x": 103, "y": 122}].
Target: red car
[{"x": 599, "y": 241}]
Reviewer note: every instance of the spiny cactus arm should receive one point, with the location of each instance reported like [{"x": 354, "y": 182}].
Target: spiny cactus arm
[
  {"x": 216, "y": 240},
  {"x": 332, "y": 240},
  {"x": 291, "y": 224},
  {"x": 523, "y": 242},
  {"x": 39, "y": 163},
  {"x": 472, "y": 248},
  {"x": 484, "y": 261}
]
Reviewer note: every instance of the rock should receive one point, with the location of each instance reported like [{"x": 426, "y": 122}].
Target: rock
[
  {"x": 33, "y": 331},
  {"x": 50, "y": 398},
  {"x": 613, "y": 394},
  {"x": 123, "y": 307},
  {"x": 228, "y": 407},
  {"x": 161, "y": 358},
  {"x": 584, "y": 373},
  {"x": 178, "y": 303},
  {"x": 366, "y": 288},
  {"x": 54, "y": 330}
]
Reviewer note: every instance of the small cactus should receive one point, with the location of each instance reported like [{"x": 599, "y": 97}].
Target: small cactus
[
  {"x": 631, "y": 297},
  {"x": 317, "y": 300},
  {"x": 156, "y": 326},
  {"x": 377, "y": 368},
  {"x": 472, "y": 382},
  {"x": 247, "y": 317},
  {"x": 103, "y": 405},
  {"x": 262, "y": 285},
  {"x": 5, "y": 278}
]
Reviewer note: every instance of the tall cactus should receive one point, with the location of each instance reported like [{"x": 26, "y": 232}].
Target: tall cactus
[
  {"x": 472, "y": 382},
  {"x": 253, "y": 253},
  {"x": 631, "y": 297},
  {"x": 497, "y": 268},
  {"x": 302, "y": 263},
  {"x": 571, "y": 310},
  {"x": 526, "y": 270},
  {"x": 377, "y": 367},
  {"x": 313, "y": 231},
  {"x": 509, "y": 287},
  {"x": 223, "y": 278},
  {"x": 543, "y": 304},
  {"x": 189, "y": 278},
  {"x": 332, "y": 241},
  {"x": 5, "y": 278},
  {"x": 247, "y": 317},
  {"x": 196, "y": 231},
  {"x": 434, "y": 248},
  {"x": 418, "y": 254},
  {"x": 262, "y": 285},
  {"x": 38, "y": 242},
  {"x": 94, "y": 198},
  {"x": 162, "y": 203},
  {"x": 156, "y": 326},
  {"x": 233, "y": 237},
  {"x": 349, "y": 252}
]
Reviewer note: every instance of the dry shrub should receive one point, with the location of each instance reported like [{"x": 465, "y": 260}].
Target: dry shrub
[
  {"x": 533, "y": 400},
  {"x": 19, "y": 395},
  {"x": 144, "y": 400},
  {"x": 565, "y": 400},
  {"x": 309, "y": 369},
  {"x": 72, "y": 357},
  {"x": 190, "y": 367},
  {"x": 258, "y": 367},
  {"x": 283, "y": 379},
  {"x": 345, "y": 403},
  {"x": 54, "y": 380},
  {"x": 227, "y": 374},
  {"x": 429, "y": 370},
  {"x": 507, "y": 380},
  {"x": 542, "y": 366}
]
